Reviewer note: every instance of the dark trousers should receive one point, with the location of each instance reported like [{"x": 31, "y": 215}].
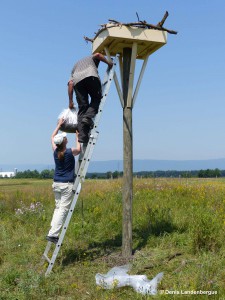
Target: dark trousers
[{"x": 90, "y": 86}]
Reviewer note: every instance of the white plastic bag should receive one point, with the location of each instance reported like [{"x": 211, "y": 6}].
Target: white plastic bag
[
  {"x": 118, "y": 277},
  {"x": 70, "y": 120}
]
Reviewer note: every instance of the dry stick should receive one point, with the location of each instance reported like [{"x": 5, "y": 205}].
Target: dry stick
[
  {"x": 143, "y": 24},
  {"x": 114, "y": 21},
  {"x": 173, "y": 256},
  {"x": 139, "y": 24},
  {"x": 160, "y": 24},
  {"x": 100, "y": 30},
  {"x": 88, "y": 39},
  {"x": 163, "y": 262},
  {"x": 137, "y": 16}
]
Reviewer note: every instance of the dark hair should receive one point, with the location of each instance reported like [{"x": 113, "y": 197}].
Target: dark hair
[{"x": 60, "y": 152}]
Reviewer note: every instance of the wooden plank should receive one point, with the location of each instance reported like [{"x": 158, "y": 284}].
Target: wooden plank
[{"x": 140, "y": 79}]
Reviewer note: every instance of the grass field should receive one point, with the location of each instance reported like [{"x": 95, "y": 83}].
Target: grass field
[{"x": 178, "y": 229}]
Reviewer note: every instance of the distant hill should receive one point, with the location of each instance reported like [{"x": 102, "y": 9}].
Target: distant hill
[
  {"x": 138, "y": 165},
  {"x": 154, "y": 165}
]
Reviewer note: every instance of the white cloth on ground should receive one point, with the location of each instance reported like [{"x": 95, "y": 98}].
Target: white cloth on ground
[{"x": 118, "y": 277}]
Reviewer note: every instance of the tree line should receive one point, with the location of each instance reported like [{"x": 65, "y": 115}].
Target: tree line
[
  {"x": 208, "y": 173},
  {"x": 45, "y": 174}
]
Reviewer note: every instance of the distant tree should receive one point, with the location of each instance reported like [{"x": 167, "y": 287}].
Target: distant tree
[
  {"x": 47, "y": 174},
  {"x": 186, "y": 174},
  {"x": 108, "y": 174},
  {"x": 209, "y": 173},
  {"x": 217, "y": 172},
  {"x": 201, "y": 174},
  {"x": 35, "y": 174},
  {"x": 115, "y": 174},
  {"x": 27, "y": 174}
]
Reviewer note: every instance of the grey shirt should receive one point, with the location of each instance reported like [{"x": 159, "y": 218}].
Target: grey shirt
[{"x": 85, "y": 67}]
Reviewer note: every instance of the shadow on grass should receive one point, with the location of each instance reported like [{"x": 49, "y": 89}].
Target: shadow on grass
[
  {"x": 94, "y": 251},
  {"x": 156, "y": 229},
  {"x": 97, "y": 250}
]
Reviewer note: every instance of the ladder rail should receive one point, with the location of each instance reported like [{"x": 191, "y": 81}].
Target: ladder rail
[{"x": 82, "y": 169}]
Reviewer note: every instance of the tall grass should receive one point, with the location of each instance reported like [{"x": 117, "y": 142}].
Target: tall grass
[{"x": 178, "y": 228}]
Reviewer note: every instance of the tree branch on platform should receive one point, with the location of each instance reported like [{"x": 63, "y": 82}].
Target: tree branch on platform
[
  {"x": 160, "y": 24},
  {"x": 88, "y": 40},
  {"x": 139, "y": 24}
]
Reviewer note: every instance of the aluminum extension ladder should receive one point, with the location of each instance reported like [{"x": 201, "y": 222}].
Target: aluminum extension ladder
[{"x": 81, "y": 169}]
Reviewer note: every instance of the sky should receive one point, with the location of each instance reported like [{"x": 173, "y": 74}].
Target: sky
[{"x": 179, "y": 113}]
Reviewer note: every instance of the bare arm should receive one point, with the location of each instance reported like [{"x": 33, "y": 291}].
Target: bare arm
[
  {"x": 102, "y": 58},
  {"x": 70, "y": 94},
  {"x": 56, "y": 132},
  {"x": 76, "y": 150}
]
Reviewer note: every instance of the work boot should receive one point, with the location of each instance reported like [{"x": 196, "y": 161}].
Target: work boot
[{"x": 52, "y": 239}]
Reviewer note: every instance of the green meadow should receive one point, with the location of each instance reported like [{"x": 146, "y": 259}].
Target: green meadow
[{"x": 178, "y": 229}]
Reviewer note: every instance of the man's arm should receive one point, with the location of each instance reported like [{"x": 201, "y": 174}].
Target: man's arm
[
  {"x": 102, "y": 58},
  {"x": 70, "y": 94},
  {"x": 76, "y": 150}
]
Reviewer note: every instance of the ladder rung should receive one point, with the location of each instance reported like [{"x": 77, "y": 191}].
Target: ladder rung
[{"x": 46, "y": 258}]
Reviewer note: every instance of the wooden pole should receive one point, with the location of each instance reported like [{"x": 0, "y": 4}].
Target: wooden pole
[{"x": 127, "y": 159}]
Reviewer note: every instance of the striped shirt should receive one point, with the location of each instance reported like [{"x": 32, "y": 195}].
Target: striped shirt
[{"x": 84, "y": 68}]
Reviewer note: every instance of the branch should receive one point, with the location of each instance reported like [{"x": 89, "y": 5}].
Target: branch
[
  {"x": 160, "y": 24},
  {"x": 115, "y": 22},
  {"x": 169, "y": 30},
  {"x": 139, "y": 24},
  {"x": 88, "y": 39},
  {"x": 102, "y": 29},
  {"x": 143, "y": 24},
  {"x": 137, "y": 16}
]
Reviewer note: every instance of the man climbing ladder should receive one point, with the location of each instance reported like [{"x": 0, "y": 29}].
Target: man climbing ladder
[
  {"x": 85, "y": 82},
  {"x": 82, "y": 169}
]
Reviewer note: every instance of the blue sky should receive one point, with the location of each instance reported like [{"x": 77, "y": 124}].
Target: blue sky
[{"x": 180, "y": 110}]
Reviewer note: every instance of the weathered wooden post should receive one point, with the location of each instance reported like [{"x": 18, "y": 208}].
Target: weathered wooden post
[
  {"x": 127, "y": 158},
  {"x": 130, "y": 43}
]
